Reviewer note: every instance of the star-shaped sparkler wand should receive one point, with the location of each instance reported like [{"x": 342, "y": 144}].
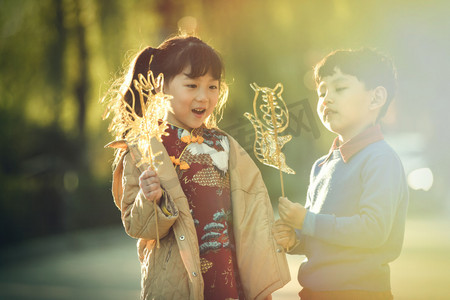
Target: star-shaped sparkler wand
[{"x": 270, "y": 119}]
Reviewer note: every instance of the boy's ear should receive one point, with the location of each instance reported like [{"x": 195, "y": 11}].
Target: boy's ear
[{"x": 379, "y": 97}]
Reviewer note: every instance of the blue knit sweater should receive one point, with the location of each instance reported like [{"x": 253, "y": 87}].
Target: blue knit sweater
[{"x": 355, "y": 221}]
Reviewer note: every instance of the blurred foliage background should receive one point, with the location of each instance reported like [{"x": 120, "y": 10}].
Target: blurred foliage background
[{"x": 58, "y": 58}]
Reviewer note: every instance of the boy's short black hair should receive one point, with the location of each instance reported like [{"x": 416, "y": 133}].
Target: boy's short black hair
[{"x": 368, "y": 65}]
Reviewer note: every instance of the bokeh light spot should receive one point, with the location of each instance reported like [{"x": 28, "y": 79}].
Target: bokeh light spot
[{"x": 420, "y": 179}]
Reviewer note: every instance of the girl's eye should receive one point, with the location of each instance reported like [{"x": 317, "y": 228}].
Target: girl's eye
[
  {"x": 192, "y": 86},
  {"x": 213, "y": 87},
  {"x": 340, "y": 89}
]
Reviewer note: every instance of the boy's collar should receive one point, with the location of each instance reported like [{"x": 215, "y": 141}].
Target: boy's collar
[{"x": 350, "y": 148}]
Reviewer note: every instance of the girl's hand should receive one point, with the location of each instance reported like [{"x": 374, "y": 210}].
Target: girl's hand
[
  {"x": 284, "y": 234},
  {"x": 293, "y": 214},
  {"x": 150, "y": 186}
]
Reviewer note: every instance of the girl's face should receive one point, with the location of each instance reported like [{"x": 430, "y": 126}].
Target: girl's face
[{"x": 194, "y": 99}]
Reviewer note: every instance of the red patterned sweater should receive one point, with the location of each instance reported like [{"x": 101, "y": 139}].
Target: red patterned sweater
[{"x": 201, "y": 161}]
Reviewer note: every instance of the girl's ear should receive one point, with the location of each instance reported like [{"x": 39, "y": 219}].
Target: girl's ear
[{"x": 379, "y": 98}]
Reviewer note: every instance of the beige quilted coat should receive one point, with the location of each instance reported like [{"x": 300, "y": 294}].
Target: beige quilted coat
[{"x": 173, "y": 271}]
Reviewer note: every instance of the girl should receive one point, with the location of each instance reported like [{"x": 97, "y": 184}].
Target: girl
[{"x": 214, "y": 215}]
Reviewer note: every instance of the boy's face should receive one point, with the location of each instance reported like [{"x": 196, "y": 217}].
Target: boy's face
[{"x": 343, "y": 105}]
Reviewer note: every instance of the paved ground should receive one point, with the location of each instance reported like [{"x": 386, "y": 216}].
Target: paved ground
[
  {"x": 96, "y": 264},
  {"x": 102, "y": 264}
]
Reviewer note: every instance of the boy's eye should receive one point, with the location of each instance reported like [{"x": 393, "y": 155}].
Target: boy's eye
[
  {"x": 192, "y": 86},
  {"x": 340, "y": 89},
  {"x": 213, "y": 87}
]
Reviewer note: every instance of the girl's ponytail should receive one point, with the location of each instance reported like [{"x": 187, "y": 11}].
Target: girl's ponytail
[{"x": 140, "y": 65}]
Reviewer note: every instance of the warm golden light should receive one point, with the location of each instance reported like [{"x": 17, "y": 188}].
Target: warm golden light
[
  {"x": 139, "y": 129},
  {"x": 270, "y": 119}
]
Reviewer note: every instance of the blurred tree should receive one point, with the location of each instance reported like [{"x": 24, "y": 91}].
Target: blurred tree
[
  {"x": 82, "y": 79},
  {"x": 43, "y": 159}
]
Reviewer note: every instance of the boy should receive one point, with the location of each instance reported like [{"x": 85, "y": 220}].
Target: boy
[{"x": 353, "y": 222}]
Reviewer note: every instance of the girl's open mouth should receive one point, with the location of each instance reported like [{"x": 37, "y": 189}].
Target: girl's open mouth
[{"x": 199, "y": 111}]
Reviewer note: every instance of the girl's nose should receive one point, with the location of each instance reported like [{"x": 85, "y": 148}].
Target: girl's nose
[{"x": 201, "y": 95}]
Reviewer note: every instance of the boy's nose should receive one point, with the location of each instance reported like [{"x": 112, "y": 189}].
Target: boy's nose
[{"x": 327, "y": 99}]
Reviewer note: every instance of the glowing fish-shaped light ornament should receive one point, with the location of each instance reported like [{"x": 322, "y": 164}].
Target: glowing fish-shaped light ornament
[{"x": 270, "y": 119}]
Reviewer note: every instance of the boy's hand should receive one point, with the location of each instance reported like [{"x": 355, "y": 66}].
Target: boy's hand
[
  {"x": 293, "y": 214},
  {"x": 150, "y": 186},
  {"x": 284, "y": 234}
]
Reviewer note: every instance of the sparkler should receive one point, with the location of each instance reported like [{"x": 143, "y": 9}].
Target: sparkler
[
  {"x": 150, "y": 123},
  {"x": 270, "y": 119}
]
